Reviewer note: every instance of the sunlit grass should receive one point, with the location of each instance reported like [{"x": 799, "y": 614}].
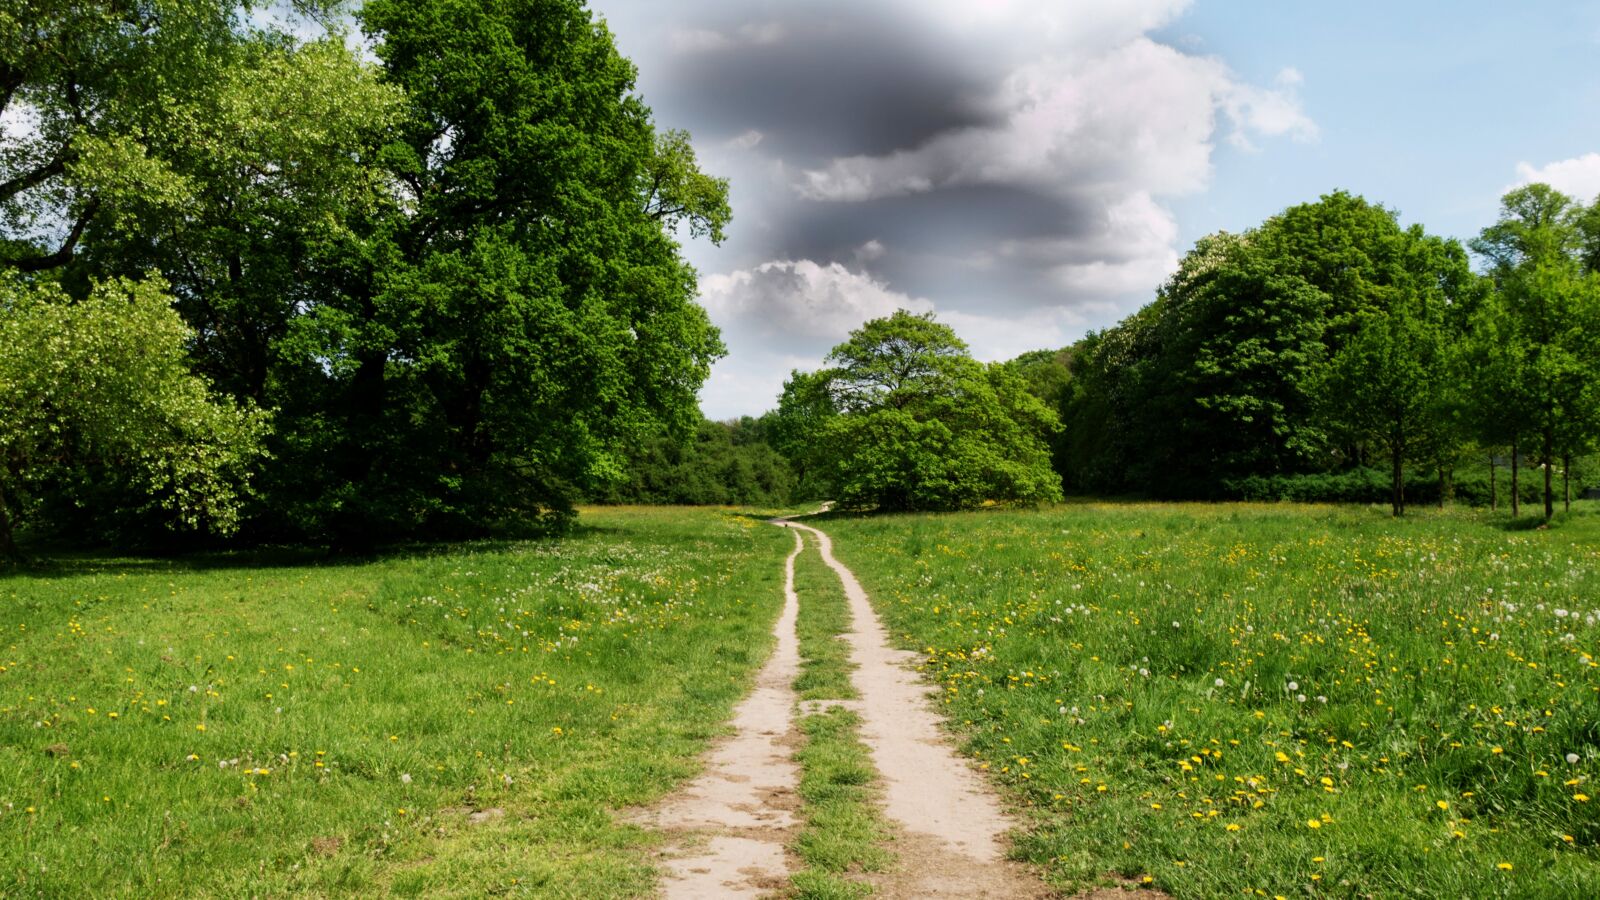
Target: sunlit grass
[
  {"x": 454, "y": 724},
  {"x": 1283, "y": 699}
]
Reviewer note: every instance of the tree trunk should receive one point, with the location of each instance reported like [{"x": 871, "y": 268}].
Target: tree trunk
[
  {"x": 1516, "y": 486},
  {"x": 1566, "y": 479},
  {"x": 1549, "y": 464},
  {"x": 1494, "y": 493},
  {"x": 1398, "y": 501},
  {"x": 8, "y": 541},
  {"x": 1442, "y": 488}
]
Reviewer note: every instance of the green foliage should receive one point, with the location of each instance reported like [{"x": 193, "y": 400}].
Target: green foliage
[
  {"x": 724, "y": 464},
  {"x": 1240, "y": 367},
  {"x": 906, "y": 419},
  {"x": 520, "y": 315},
  {"x": 104, "y": 384},
  {"x": 1386, "y": 386},
  {"x": 1536, "y": 354},
  {"x": 1047, "y": 374},
  {"x": 452, "y": 275}
]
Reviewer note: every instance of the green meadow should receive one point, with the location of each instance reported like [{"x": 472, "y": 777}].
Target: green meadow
[
  {"x": 1277, "y": 700},
  {"x": 455, "y": 723},
  {"x": 1215, "y": 700}
]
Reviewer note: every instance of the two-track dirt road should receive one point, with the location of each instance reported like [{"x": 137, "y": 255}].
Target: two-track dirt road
[{"x": 732, "y": 825}]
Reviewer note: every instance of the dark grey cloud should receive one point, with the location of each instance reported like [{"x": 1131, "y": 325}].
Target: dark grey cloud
[
  {"x": 819, "y": 83},
  {"x": 1006, "y": 163}
]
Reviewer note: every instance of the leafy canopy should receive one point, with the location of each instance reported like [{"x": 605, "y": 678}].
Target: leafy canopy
[{"x": 906, "y": 419}]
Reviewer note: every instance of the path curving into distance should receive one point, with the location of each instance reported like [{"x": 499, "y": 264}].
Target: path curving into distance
[
  {"x": 952, "y": 827},
  {"x": 733, "y": 824}
]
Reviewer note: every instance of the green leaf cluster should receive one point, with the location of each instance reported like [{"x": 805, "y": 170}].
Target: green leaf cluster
[
  {"x": 104, "y": 385},
  {"x": 906, "y": 419}
]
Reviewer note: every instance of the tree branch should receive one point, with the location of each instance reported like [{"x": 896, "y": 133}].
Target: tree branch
[
  {"x": 34, "y": 178},
  {"x": 64, "y": 255}
]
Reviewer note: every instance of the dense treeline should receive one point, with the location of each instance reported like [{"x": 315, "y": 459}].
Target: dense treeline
[
  {"x": 449, "y": 280},
  {"x": 1331, "y": 340},
  {"x": 726, "y": 464}
]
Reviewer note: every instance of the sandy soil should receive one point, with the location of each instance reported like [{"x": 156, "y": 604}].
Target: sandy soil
[
  {"x": 731, "y": 826},
  {"x": 952, "y": 827}
]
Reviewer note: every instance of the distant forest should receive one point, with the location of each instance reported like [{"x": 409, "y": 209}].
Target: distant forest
[{"x": 1330, "y": 354}]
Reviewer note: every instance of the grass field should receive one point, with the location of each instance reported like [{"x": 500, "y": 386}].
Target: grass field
[
  {"x": 453, "y": 724},
  {"x": 1268, "y": 700}
]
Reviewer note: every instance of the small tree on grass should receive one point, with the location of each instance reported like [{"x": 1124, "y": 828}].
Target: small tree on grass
[
  {"x": 105, "y": 382},
  {"x": 1385, "y": 386},
  {"x": 914, "y": 422}
]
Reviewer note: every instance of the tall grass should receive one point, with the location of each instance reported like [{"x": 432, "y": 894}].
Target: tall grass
[
  {"x": 453, "y": 724},
  {"x": 1274, "y": 699}
]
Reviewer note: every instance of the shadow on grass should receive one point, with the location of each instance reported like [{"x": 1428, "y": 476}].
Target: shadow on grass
[{"x": 50, "y": 561}]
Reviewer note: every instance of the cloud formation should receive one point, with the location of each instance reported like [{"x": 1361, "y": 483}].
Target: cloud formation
[
  {"x": 1578, "y": 178},
  {"x": 1008, "y": 164}
]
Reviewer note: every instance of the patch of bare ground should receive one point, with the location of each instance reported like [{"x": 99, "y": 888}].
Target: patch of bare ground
[
  {"x": 952, "y": 828},
  {"x": 730, "y": 827}
]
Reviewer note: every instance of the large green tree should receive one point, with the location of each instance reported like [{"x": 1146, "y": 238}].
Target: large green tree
[
  {"x": 521, "y": 316},
  {"x": 453, "y": 273},
  {"x": 101, "y": 99},
  {"x": 912, "y": 421},
  {"x": 1217, "y": 379},
  {"x": 1387, "y": 386}
]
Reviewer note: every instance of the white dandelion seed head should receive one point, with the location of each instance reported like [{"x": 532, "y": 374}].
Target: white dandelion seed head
[
  {"x": 1294, "y": 685},
  {"x": 1572, "y": 758}
]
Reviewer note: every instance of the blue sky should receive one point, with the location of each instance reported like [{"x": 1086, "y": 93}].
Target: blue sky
[
  {"x": 1029, "y": 171},
  {"x": 1425, "y": 107}
]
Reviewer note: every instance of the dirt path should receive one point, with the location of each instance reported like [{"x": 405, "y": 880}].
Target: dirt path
[
  {"x": 952, "y": 825},
  {"x": 732, "y": 824}
]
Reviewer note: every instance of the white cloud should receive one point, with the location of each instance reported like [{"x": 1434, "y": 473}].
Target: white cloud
[
  {"x": 710, "y": 40},
  {"x": 784, "y": 315},
  {"x": 1139, "y": 118},
  {"x": 1025, "y": 24},
  {"x": 787, "y": 314},
  {"x": 1072, "y": 113},
  {"x": 800, "y": 301},
  {"x": 747, "y": 141},
  {"x": 1578, "y": 177},
  {"x": 871, "y": 251},
  {"x": 1131, "y": 249}
]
